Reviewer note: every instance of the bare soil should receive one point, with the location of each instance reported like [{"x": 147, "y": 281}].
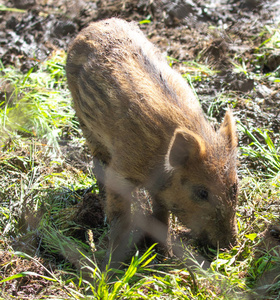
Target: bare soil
[
  {"x": 211, "y": 32},
  {"x": 26, "y": 287}
]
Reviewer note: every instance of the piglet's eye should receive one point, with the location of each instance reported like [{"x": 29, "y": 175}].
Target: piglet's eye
[{"x": 201, "y": 193}]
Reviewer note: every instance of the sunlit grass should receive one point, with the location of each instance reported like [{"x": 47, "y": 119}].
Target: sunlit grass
[
  {"x": 11, "y": 9},
  {"x": 36, "y": 104},
  {"x": 262, "y": 149}
]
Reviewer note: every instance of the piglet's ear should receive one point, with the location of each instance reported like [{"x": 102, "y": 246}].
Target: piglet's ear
[
  {"x": 228, "y": 130},
  {"x": 184, "y": 146}
]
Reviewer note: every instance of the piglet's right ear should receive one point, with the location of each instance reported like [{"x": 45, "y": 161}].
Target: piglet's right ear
[
  {"x": 184, "y": 146},
  {"x": 228, "y": 130}
]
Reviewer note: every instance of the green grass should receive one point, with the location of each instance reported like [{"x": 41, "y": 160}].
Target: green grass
[
  {"x": 38, "y": 192},
  {"x": 11, "y": 9},
  {"x": 193, "y": 70},
  {"x": 263, "y": 150},
  {"x": 37, "y": 104}
]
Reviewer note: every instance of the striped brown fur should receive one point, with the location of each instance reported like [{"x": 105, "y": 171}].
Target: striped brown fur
[{"x": 144, "y": 124}]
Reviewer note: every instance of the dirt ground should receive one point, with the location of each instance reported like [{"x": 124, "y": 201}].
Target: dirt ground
[{"x": 211, "y": 32}]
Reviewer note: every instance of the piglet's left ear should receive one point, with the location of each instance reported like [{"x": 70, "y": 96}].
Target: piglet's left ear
[
  {"x": 228, "y": 130},
  {"x": 185, "y": 147}
]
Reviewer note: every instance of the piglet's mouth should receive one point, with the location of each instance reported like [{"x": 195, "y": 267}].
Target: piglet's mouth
[{"x": 221, "y": 243}]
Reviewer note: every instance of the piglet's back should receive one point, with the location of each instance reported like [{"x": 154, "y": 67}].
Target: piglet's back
[{"x": 112, "y": 67}]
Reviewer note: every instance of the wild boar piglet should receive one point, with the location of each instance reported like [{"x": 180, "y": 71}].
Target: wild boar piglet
[{"x": 145, "y": 128}]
